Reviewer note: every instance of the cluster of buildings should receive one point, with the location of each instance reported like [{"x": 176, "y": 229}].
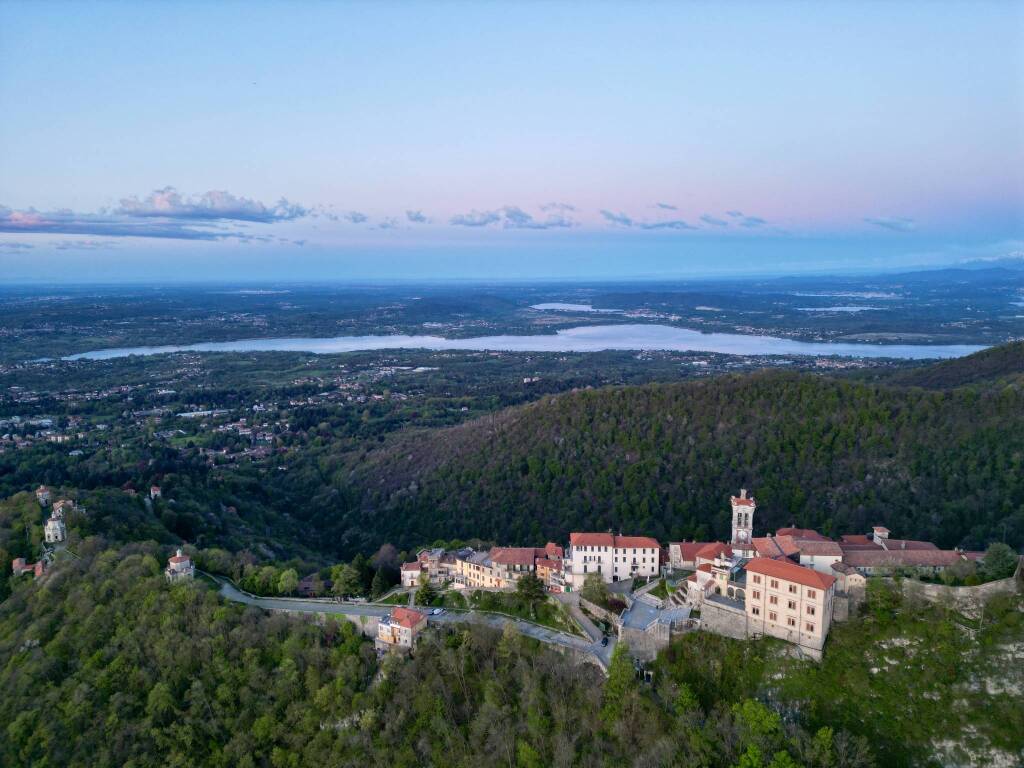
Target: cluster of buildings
[
  {"x": 790, "y": 585},
  {"x": 794, "y": 584},
  {"x": 55, "y": 528},
  {"x": 497, "y": 568}
]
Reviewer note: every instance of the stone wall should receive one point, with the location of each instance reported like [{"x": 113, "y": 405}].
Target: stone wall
[
  {"x": 600, "y": 612},
  {"x": 644, "y": 644},
  {"x": 966, "y": 600},
  {"x": 723, "y": 619}
]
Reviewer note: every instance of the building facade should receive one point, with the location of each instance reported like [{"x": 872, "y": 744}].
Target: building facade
[
  {"x": 54, "y": 531},
  {"x": 788, "y": 601},
  {"x": 612, "y": 557}
]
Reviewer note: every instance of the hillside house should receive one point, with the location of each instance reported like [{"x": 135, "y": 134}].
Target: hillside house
[
  {"x": 399, "y": 630},
  {"x": 411, "y": 574},
  {"x": 19, "y": 567},
  {"x": 43, "y": 495}
]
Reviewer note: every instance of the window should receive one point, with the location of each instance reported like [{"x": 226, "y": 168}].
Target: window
[
  {"x": 810, "y": 610},
  {"x": 775, "y": 584},
  {"x": 810, "y": 627},
  {"x": 811, "y": 593},
  {"x": 757, "y": 595},
  {"x": 792, "y": 589},
  {"x": 757, "y": 579},
  {"x": 773, "y": 600},
  {"x": 772, "y": 616},
  {"x": 756, "y": 611},
  {"x": 791, "y": 605},
  {"x": 791, "y": 621}
]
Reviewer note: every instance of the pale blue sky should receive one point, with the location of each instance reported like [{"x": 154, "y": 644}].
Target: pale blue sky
[{"x": 429, "y": 139}]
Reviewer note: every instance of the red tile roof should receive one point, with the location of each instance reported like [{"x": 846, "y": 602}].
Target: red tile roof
[
  {"x": 740, "y": 502},
  {"x": 553, "y": 550},
  {"x": 705, "y": 567},
  {"x": 713, "y": 550},
  {"x": 610, "y": 540},
  {"x": 775, "y": 546},
  {"x": 179, "y": 559},
  {"x": 640, "y": 542},
  {"x": 921, "y": 558},
  {"x": 406, "y": 617},
  {"x": 591, "y": 539},
  {"x": 514, "y": 555},
  {"x": 412, "y": 566},
  {"x": 815, "y": 547},
  {"x": 802, "y": 533},
  {"x": 787, "y": 571},
  {"x": 855, "y": 538},
  {"x": 688, "y": 549}
]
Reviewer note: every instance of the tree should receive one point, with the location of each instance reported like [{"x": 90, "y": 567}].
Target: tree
[
  {"x": 346, "y": 581},
  {"x": 530, "y": 590},
  {"x": 594, "y": 589},
  {"x": 426, "y": 594},
  {"x": 287, "y": 582},
  {"x": 1000, "y": 562},
  {"x": 620, "y": 684},
  {"x": 379, "y": 585}
]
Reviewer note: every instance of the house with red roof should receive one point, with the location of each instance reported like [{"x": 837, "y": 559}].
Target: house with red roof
[
  {"x": 682, "y": 555},
  {"x": 411, "y": 574},
  {"x": 399, "y": 630}
]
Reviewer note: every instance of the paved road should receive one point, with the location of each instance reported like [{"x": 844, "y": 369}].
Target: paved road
[{"x": 545, "y": 635}]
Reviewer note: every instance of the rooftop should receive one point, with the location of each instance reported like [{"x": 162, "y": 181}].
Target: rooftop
[{"x": 782, "y": 569}]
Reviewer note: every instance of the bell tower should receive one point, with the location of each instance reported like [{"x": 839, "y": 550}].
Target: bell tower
[{"x": 743, "y": 507}]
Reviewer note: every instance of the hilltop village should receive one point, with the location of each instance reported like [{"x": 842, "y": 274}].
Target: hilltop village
[{"x": 789, "y": 585}]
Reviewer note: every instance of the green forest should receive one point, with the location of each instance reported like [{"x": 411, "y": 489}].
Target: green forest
[
  {"x": 662, "y": 459},
  {"x": 104, "y": 664}
]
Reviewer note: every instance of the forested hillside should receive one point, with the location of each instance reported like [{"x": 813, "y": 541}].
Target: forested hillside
[
  {"x": 662, "y": 459},
  {"x": 990, "y": 366},
  {"x": 104, "y": 664}
]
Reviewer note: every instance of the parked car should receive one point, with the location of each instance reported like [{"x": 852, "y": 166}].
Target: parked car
[{"x": 437, "y": 611}]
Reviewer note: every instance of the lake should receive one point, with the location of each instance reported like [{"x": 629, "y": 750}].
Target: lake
[{"x": 593, "y": 338}]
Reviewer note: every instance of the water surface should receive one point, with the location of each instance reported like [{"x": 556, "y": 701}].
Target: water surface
[{"x": 593, "y": 338}]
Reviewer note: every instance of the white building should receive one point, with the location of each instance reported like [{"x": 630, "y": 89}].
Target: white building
[
  {"x": 411, "y": 574},
  {"x": 613, "y": 557},
  {"x": 43, "y": 495},
  {"x": 55, "y": 530},
  {"x": 743, "y": 508},
  {"x": 180, "y": 568}
]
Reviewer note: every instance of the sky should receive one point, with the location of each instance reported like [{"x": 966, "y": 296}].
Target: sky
[{"x": 311, "y": 140}]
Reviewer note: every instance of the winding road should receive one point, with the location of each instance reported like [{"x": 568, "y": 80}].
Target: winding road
[{"x": 592, "y": 647}]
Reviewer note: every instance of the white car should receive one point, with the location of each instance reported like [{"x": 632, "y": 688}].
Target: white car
[{"x": 437, "y": 612}]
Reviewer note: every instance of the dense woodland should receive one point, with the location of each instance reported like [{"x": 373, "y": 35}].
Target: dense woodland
[
  {"x": 103, "y": 664},
  {"x": 834, "y": 455}
]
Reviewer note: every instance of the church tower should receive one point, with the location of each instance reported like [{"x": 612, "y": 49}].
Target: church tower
[{"x": 743, "y": 524}]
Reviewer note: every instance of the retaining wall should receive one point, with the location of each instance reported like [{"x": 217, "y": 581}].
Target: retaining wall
[{"x": 967, "y": 600}]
